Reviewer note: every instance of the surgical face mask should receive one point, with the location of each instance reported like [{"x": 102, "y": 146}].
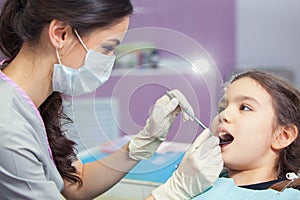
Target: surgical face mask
[{"x": 88, "y": 78}]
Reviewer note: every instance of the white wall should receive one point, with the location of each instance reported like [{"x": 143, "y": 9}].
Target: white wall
[{"x": 268, "y": 33}]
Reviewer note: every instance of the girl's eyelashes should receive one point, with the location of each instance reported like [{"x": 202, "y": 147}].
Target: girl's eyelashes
[
  {"x": 245, "y": 107},
  {"x": 222, "y": 105},
  {"x": 221, "y": 108}
]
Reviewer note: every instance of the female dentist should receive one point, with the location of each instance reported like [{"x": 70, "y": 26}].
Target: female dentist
[{"x": 66, "y": 47}]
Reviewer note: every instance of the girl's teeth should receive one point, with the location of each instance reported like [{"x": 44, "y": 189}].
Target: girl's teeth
[{"x": 222, "y": 133}]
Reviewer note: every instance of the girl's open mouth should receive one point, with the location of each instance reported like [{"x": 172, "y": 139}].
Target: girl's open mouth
[{"x": 225, "y": 138}]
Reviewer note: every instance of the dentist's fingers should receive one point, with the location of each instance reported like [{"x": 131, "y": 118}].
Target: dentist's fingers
[
  {"x": 184, "y": 104},
  {"x": 201, "y": 139}
]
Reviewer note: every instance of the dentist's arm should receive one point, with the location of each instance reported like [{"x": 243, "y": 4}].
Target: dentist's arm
[
  {"x": 198, "y": 170},
  {"x": 99, "y": 176}
]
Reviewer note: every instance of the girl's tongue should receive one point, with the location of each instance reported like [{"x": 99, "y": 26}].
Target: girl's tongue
[{"x": 225, "y": 138}]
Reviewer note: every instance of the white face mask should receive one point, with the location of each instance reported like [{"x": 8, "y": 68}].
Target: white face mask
[{"x": 88, "y": 78}]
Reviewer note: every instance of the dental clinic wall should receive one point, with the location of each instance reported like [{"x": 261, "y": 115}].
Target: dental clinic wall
[
  {"x": 211, "y": 24},
  {"x": 267, "y": 35}
]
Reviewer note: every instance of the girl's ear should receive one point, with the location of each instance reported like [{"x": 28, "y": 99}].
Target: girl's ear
[{"x": 285, "y": 136}]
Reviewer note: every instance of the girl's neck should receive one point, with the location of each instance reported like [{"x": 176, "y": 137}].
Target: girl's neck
[{"x": 247, "y": 177}]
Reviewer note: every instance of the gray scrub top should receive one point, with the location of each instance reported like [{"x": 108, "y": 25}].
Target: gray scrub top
[{"x": 26, "y": 168}]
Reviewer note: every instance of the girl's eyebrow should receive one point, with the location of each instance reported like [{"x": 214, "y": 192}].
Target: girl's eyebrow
[
  {"x": 239, "y": 98},
  {"x": 248, "y": 98}
]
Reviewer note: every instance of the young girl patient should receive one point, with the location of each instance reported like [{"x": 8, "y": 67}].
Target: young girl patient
[{"x": 258, "y": 126}]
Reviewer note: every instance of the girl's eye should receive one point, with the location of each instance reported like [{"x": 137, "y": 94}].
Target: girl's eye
[
  {"x": 222, "y": 105},
  {"x": 245, "y": 108},
  {"x": 221, "y": 108}
]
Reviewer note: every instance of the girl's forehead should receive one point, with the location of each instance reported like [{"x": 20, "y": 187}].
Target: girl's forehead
[
  {"x": 248, "y": 87},
  {"x": 245, "y": 85}
]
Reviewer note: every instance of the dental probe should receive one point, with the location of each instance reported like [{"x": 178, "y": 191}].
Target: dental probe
[{"x": 188, "y": 112}]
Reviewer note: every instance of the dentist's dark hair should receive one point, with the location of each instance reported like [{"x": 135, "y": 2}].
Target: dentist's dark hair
[
  {"x": 286, "y": 104},
  {"x": 22, "y": 21}
]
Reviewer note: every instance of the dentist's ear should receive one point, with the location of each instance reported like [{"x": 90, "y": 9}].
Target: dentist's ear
[
  {"x": 58, "y": 31},
  {"x": 284, "y": 137}
]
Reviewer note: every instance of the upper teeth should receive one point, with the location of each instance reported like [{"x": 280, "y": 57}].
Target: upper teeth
[{"x": 222, "y": 133}]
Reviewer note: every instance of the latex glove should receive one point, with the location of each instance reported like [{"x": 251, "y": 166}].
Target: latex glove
[
  {"x": 198, "y": 170},
  {"x": 144, "y": 144}
]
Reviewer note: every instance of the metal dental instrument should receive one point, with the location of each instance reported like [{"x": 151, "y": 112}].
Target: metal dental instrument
[{"x": 188, "y": 112}]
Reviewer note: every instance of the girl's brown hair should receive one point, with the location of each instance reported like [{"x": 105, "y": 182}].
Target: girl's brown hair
[
  {"x": 286, "y": 104},
  {"x": 23, "y": 21}
]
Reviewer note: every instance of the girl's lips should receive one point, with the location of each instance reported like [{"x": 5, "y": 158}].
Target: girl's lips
[{"x": 224, "y": 136}]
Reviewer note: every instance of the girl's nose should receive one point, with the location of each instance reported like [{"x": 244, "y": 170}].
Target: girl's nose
[{"x": 225, "y": 115}]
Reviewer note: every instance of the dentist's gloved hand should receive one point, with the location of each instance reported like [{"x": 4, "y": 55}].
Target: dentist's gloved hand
[
  {"x": 198, "y": 170},
  {"x": 165, "y": 110}
]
